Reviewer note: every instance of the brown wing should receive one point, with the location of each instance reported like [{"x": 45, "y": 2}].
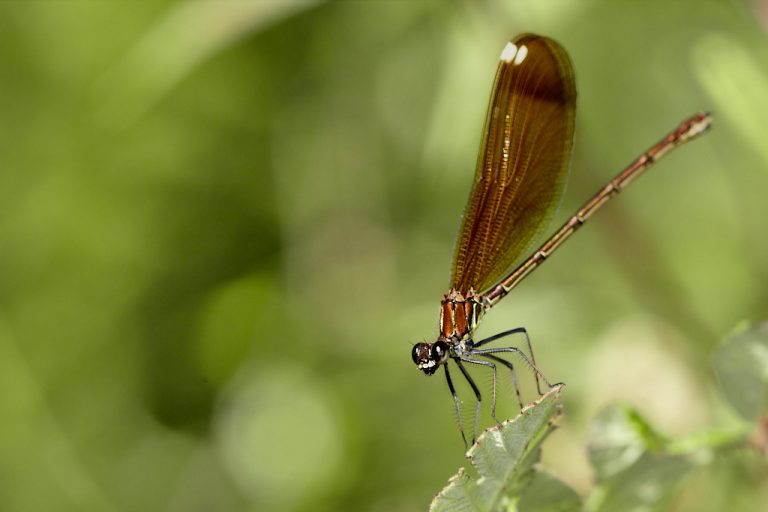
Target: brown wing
[{"x": 523, "y": 161}]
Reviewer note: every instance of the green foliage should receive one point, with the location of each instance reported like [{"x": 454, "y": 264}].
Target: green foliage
[
  {"x": 741, "y": 365},
  {"x": 546, "y": 493},
  {"x": 503, "y": 457},
  {"x": 634, "y": 467}
]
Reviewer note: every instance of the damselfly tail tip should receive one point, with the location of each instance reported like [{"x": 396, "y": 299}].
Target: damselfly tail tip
[{"x": 696, "y": 125}]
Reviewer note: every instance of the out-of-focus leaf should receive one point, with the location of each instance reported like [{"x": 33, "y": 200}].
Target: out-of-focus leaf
[
  {"x": 741, "y": 365},
  {"x": 503, "y": 457},
  {"x": 637, "y": 468},
  {"x": 643, "y": 486},
  {"x": 545, "y": 493},
  {"x": 634, "y": 469},
  {"x": 618, "y": 438}
]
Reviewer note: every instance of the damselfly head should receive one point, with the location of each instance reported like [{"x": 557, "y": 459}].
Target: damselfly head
[{"x": 429, "y": 356}]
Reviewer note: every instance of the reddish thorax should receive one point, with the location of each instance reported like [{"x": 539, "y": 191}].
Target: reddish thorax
[{"x": 459, "y": 313}]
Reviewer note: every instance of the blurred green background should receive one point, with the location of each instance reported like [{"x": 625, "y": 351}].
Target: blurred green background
[{"x": 223, "y": 225}]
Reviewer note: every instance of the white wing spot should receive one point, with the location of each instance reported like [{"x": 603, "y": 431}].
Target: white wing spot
[
  {"x": 509, "y": 52},
  {"x": 521, "y": 54}
]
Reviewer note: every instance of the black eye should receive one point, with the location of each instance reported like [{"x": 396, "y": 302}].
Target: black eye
[
  {"x": 438, "y": 350},
  {"x": 420, "y": 352}
]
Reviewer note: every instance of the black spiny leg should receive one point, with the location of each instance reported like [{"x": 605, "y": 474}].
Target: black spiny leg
[
  {"x": 458, "y": 407},
  {"x": 521, "y": 354},
  {"x": 510, "y": 332},
  {"x": 514, "y": 376},
  {"x": 493, "y": 395},
  {"x": 503, "y": 334},
  {"x": 477, "y": 395}
]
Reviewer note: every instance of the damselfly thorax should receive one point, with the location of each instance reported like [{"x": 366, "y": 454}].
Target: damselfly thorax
[{"x": 459, "y": 314}]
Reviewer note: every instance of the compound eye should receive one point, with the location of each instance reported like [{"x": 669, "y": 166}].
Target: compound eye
[
  {"x": 420, "y": 353},
  {"x": 438, "y": 351}
]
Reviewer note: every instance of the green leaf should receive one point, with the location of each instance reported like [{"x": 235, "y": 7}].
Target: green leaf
[
  {"x": 643, "y": 486},
  {"x": 741, "y": 365},
  {"x": 503, "y": 457},
  {"x": 633, "y": 464},
  {"x": 545, "y": 493},
  {"x": 637, "y": 469},
  {"x": 618, "y": 438}
]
